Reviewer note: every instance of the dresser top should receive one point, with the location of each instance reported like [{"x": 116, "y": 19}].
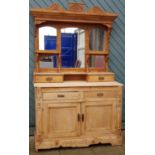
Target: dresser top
[
  {"x": 74, "y": 73},
  {"x": 78, "y": 84}
]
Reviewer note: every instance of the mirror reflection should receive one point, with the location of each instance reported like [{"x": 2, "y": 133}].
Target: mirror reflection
[
  {"x": 47, "y": 38},
  {"x": 96, "y": 38},
  {"x": 48, "y": 61},
  {"x": 96, "y": 62},
  {"x": 72, "y": 47}
]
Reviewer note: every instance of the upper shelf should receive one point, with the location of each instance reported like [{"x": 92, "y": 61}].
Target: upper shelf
[{"x": 56, "y": 13}]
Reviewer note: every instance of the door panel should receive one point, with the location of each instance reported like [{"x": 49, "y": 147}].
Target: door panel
[
  {"x": 99, "y": 117},
  {"x": 61, "y": 120}
]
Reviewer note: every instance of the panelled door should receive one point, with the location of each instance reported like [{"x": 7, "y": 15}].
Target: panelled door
[
  {"x": 61, "y": 119},
  {"x": 98, "y": 117}
]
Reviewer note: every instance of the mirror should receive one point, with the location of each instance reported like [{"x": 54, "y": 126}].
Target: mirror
[
  {"x": 47, "y": 38},
  {"x": 96, "y": 38},
  {"x": 96, "y": 61},
  {"x": 72, "y": 47},
  {"x": 48, "y": 61}
]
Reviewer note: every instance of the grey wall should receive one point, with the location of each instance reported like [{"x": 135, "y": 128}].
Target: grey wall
[{"x": 117, "y": 42}]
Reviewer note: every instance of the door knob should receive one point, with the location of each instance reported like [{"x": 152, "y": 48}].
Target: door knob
[
  {"x": 82, "y": 117},
  {"x": 78, "y": 117}
]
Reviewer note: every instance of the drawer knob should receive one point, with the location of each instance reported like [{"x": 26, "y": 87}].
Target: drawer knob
[
  {"x": 100, "y": 94},
  {"x": 49, "y": 79},
  {"x": 101, "y": 78},
  {"x": 61, "y": 95}
]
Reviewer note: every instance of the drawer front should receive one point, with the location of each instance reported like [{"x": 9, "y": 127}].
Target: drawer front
[
  {"x": 97, "y": 95},
  {"x": 62, "y": 96},
  {"x": 48, "y": 79},
  {"x": 100, "y": 78}
]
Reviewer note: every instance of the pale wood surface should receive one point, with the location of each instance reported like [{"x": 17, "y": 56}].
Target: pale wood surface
[
  {"x": 99, "y": 95},
  {"x": 78, "y": 84},
  {"x": 74, "y": 73},
  {"x": 99, "y": 149},
  {"x": 78, "y": 117},
  {"x": 100, "y": 117},
  {"x": 59, "y": 77},
  {"x": 100, "y": 78},
  {"x": 61, "y": 120},
  {"x": 61, "y": 96},
  {"x": 43, "y": 78}
]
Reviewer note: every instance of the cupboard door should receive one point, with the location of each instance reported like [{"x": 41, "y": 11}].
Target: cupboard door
[
  {"x": 99, "y": 117},
  {"x": 61, "y": 120}
]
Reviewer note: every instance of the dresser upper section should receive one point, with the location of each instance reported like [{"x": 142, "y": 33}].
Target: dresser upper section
[{"x": 71, "y": 40}]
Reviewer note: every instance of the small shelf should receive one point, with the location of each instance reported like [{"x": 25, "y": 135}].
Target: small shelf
[
  {"x": 47, "y": 52},
  {"x": 97, "y": 53}
]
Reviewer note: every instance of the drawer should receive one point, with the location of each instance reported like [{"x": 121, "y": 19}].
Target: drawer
[
  {"x": 48, "y": 79},
  {"x": 101, "y": 78},
  {"x": 100, "y": 94},
  {"x": 62, "y": 96}
]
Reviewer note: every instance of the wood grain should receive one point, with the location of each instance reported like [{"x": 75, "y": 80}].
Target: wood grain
[
  {"x": 78, "y": 117},
  {"x": 48, "y": 78},
  {"x": 100, "y": 78},
  {"x": 77, "y": 84}
]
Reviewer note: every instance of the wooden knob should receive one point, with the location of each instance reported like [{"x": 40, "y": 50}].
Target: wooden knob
[
  {"x": 101, "y": 78},
  {"x": 49, "y": 79},
  {"x": 100, "y": 94},
  {"x": 61, "y": 95}
]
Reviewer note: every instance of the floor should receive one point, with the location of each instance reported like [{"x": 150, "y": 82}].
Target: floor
[{"x": 99, "y": 149}]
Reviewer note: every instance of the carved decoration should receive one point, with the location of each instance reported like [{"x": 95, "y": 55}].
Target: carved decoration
[
  {"x": 114, "y": 139},
  {"x": 73, "y": 10},
  {"x": 56, "y": 7},
  {"x": 76, "y": 7},
  {"x": 38, "y": 22},
  {"x": 96, "y": 9},
  {"x": 109, "y": 26}
]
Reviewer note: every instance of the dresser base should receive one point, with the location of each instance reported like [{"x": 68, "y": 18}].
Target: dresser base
[{"x": 78, "y": 114}]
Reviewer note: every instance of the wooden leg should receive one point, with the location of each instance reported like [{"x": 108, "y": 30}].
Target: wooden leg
[
  {"x": 117, "y": 142},
  {"x": 36, "y": 149}
]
